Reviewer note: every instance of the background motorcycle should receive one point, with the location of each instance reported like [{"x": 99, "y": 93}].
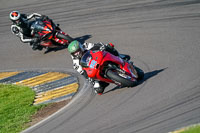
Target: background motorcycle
[
  {"x": 103, "y": 66},
  {"x": 51, "y": 36}
]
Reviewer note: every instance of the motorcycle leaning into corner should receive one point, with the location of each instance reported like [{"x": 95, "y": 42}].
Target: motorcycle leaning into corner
[
  {"x": 103, "y": 66},
  {"x": 51, "y": 36}
]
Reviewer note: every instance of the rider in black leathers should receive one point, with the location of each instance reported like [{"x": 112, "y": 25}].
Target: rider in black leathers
[{"x": 21, "y": 27}]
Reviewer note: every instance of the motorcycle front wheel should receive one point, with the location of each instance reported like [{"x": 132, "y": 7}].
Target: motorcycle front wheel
[
  {"x": 119, "y": 78},
  {"x": 66, "y": 37},
  {"x": 140, "y": 73}
]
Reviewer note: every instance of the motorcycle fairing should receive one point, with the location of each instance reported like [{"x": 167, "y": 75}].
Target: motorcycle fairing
[
  {"x": 46, "y": 29},
  {"x": 121, "y": 63},
  {"x": 93, "y": 60},
  {"x": 96, "y": 61}
]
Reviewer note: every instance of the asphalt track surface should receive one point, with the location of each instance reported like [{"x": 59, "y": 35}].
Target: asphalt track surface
[{"x": 162, "y": 37}]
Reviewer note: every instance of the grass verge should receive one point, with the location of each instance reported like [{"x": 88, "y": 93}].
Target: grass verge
[
  {"x": 192, "y": 129},
  {"x": 189, "y": 129},
  {"x": 16, "y": 107}
]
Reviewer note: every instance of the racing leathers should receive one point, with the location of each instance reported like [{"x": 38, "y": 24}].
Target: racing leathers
[{"x": 23, "y": 30}]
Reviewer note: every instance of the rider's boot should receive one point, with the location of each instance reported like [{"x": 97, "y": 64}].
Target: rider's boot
[
  {"x": 99, "y": 90},
  {"x": 99, "y": 87},
  {"x": 37, "y": 47}
]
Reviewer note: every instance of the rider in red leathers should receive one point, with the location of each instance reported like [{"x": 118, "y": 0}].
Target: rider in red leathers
[{"x": 76, "y": 49}]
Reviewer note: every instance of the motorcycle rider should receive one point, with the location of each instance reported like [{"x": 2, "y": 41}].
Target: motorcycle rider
[
  {"x": 21, "y": 27},
  {"x": 77, "y": 50}
]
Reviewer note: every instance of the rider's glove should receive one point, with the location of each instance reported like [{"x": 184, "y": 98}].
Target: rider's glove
[
  {"x": 44, "y": 17},
  {"x": 102, "y": 48},
  {"x": 91, "y": 81},
  {"x": 110, "y": 45},
  {"x": 84, "y": 73}
]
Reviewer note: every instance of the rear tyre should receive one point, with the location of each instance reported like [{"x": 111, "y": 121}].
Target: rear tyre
[
  {"x": 66, "y": 37},
  {"x": 115, "y": 76}
]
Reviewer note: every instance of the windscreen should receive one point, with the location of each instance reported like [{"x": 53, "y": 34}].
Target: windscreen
[
  {"x": 38, "y": 26},
  {"x": 86, "y": 59}
]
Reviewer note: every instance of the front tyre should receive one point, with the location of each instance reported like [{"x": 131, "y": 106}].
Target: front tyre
[
  {"x": 66, "y": 37},
  {"x": 140, "y": 73},
  {"x": 117, "y": 77}
]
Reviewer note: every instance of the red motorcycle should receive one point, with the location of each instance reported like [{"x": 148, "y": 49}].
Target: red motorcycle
[
  {"x": 50, "y": 34},
  {"x": 103, "y": 66}
]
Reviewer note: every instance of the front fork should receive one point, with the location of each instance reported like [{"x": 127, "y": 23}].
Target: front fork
[
  {"x": 60, "y": 41},
  {"x": 131, "y": 68}
]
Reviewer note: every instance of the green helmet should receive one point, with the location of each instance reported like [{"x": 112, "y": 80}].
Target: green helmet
[{"x": 75, "y": 48}]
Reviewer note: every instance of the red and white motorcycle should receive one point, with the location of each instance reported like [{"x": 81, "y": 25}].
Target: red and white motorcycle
[{"x": 103, "y": 66}]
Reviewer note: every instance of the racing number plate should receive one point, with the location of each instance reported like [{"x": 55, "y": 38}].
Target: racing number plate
[{"x": 93, "y": 63}]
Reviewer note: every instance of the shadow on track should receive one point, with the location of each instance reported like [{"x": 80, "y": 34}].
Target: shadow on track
[
  {"x": 55, "y": 49},
  {"x": 81, "y": 39},
  {"x": 147, "y": 76}
]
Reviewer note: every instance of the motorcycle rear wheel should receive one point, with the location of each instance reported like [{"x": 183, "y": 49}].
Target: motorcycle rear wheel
[{"x": 115, "y": 76}]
